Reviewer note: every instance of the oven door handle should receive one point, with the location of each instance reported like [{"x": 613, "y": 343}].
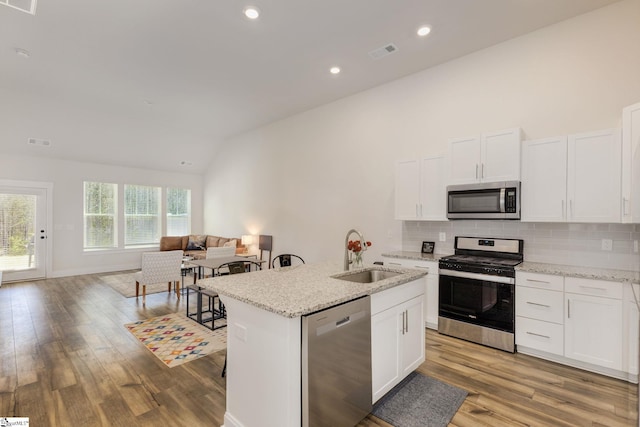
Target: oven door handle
[{"x": 477, "y": 276}]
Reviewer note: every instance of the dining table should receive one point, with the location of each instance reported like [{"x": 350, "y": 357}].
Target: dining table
[{"x": 213, "y": 264}]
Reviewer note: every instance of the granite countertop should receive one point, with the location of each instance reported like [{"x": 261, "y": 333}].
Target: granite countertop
[
  {"x": 623, "y": 276},
  {"x": 303, "y": 289},
  {"x": 419, "y": 256}
]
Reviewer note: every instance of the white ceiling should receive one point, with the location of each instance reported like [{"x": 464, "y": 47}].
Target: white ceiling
[{"x": 151, "y": 83}]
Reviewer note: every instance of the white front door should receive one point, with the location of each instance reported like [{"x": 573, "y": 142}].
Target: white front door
[{"x": 23, "y": 232}]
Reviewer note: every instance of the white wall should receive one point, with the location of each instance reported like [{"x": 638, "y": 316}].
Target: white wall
[
  {"x": 68, "y": 257},
  {"x": 309, "y": 178}
]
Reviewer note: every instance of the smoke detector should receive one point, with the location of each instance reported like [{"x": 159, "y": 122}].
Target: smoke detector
[
  {"x": 383, "y": 51},
  {"x": 39, "y": 142}
]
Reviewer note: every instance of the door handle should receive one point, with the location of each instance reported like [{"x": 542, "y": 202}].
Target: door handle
[{"x": 407, "y": 316}]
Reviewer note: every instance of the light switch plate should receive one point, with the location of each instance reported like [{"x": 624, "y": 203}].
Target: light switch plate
[
  {"x": 442, "y": 236},
  {"x": 607, "y": 244}
]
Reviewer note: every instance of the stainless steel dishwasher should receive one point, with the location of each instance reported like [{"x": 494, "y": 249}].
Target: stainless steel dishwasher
[{"x": 336, "y": 365}]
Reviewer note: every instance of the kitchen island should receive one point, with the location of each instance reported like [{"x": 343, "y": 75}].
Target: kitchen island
[{"x": 264, "y": 312}]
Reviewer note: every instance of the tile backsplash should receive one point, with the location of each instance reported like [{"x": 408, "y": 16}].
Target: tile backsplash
[{"x": 555, "y": 243}]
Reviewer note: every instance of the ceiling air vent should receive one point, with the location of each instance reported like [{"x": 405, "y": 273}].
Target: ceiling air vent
[
  {"x": 28, "y": 6},
  {"x": 39, "y": 142},
  {"x": 383, "y": 51}
]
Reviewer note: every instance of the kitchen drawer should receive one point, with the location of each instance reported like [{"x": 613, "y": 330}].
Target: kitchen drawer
[
  {"x": 539, "y": 335},
  {"x": 431, "y": 266},
  {"x": 540, "y": 281},
  {"x": 540, "y": 304},
  {"x": 597, "y": 288}
]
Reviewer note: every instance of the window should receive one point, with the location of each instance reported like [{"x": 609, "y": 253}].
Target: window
[
  {"x": 100, "y": 207},
  {"x": 142, "y": 215},
  {"x": 178, "y": 212}
]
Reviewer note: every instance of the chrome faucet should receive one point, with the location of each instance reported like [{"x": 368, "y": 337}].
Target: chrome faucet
[{"x": 346, "y": 244}]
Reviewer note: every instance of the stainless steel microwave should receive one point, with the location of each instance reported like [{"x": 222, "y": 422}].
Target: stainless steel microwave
[{"x": 486, "y": 200}]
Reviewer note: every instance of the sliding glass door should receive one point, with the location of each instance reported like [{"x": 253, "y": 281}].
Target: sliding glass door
[{"x": 23, "y": 234}]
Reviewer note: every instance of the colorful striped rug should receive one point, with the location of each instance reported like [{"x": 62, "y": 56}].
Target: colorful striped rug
[{"x": 176, "y": 339}]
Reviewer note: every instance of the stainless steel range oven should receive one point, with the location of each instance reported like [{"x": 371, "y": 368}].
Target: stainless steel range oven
[{"x": 477, "y": 291}]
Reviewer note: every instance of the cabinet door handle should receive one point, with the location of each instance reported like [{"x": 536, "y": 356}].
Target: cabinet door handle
[
  {"x": 417, "y": 211},
  {"x": 568, "y": 309},
  {"x": 420, "y": 210},
  {"x": 625, "y": 206},
  {"x": 394, "y": 263},
  {"x": 476, "y": 171},
  {"x": 537, "y": 281},
  {"x": 571, "y": 208},
  {"x": 564, "y": 213},
  {"x": 538, "y": 335},
  {"x": 538, "y": 304},
  {"x": 407, "y": 316},
  {"x": 481, "y": 170}
]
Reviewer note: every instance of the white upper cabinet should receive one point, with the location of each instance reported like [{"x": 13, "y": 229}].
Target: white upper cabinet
[
  {"x": 464, "y": 158},
  {"x": 407, "y": 189},
  {"x": 420, "y": 189},
  {"x": 631, "y": 164},
  {"x": 544, "y": 180},
  {"x": 495, "y": 156},
  {"x": 574, "y": 179},
  {"x": 594, "y": 167},
  {"x": 500, "y": 155}
]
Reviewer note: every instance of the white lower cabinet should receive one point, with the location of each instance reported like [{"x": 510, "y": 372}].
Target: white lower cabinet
[
  {"x": 397, "y": 335},
  {"x": 632, "y": 329},
  {"x": 586, "y": 323},
  {"x": 593, "y": 322},
  {"x": 432, "y": 286}
]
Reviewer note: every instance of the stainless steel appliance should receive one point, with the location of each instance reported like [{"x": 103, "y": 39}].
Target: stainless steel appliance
[
  {"x": 336, "y": 365},
  {"x": 487, "y": 200},
  {"x": 477, "y": 291}
]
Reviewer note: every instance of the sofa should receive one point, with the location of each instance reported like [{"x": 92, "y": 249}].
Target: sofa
[{"x": 195, "y": 245}]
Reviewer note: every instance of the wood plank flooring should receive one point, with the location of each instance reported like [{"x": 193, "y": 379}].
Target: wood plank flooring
[{"x": 67, "y": 360}]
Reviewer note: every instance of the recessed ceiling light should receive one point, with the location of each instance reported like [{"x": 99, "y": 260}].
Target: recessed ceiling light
[
  {"x": 334, "y": 70},
  {"x": 22, "y": 52},
  {"x": 424, "y": 30},
  {"x": 251, "y": 12}
]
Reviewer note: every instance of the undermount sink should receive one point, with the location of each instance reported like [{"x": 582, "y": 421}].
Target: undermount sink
[{"x": 367, "y": 276}]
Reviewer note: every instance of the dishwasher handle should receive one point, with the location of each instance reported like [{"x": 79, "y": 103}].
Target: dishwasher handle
[{"x": 342, "y": 322}]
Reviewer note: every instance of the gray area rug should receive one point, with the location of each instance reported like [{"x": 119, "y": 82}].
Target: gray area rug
[
  {"x": 420, "y": 401},
  {"x": 125, "y": 283}
]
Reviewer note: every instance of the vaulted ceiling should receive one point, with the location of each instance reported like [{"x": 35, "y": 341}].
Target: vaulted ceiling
[{"x": 160, "y": 84}]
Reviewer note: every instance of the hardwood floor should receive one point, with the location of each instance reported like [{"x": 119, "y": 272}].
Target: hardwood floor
[{"x": 67, "y": 360}]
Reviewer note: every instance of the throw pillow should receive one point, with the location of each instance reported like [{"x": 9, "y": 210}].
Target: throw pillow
[
  {"x": 196, "y": 242},
  {"x": 233, "y": 243}
]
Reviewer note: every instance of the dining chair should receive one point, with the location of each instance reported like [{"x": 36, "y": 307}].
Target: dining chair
[
  {"x": 159, "y": 267},
  {"x": 286, "y": 260},
  {"x": 220, "y": 252}
]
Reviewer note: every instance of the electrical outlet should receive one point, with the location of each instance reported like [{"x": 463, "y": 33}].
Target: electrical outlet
[
  {"x": 607, "y": 244},
  {"x": 443, "y": 236}
]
